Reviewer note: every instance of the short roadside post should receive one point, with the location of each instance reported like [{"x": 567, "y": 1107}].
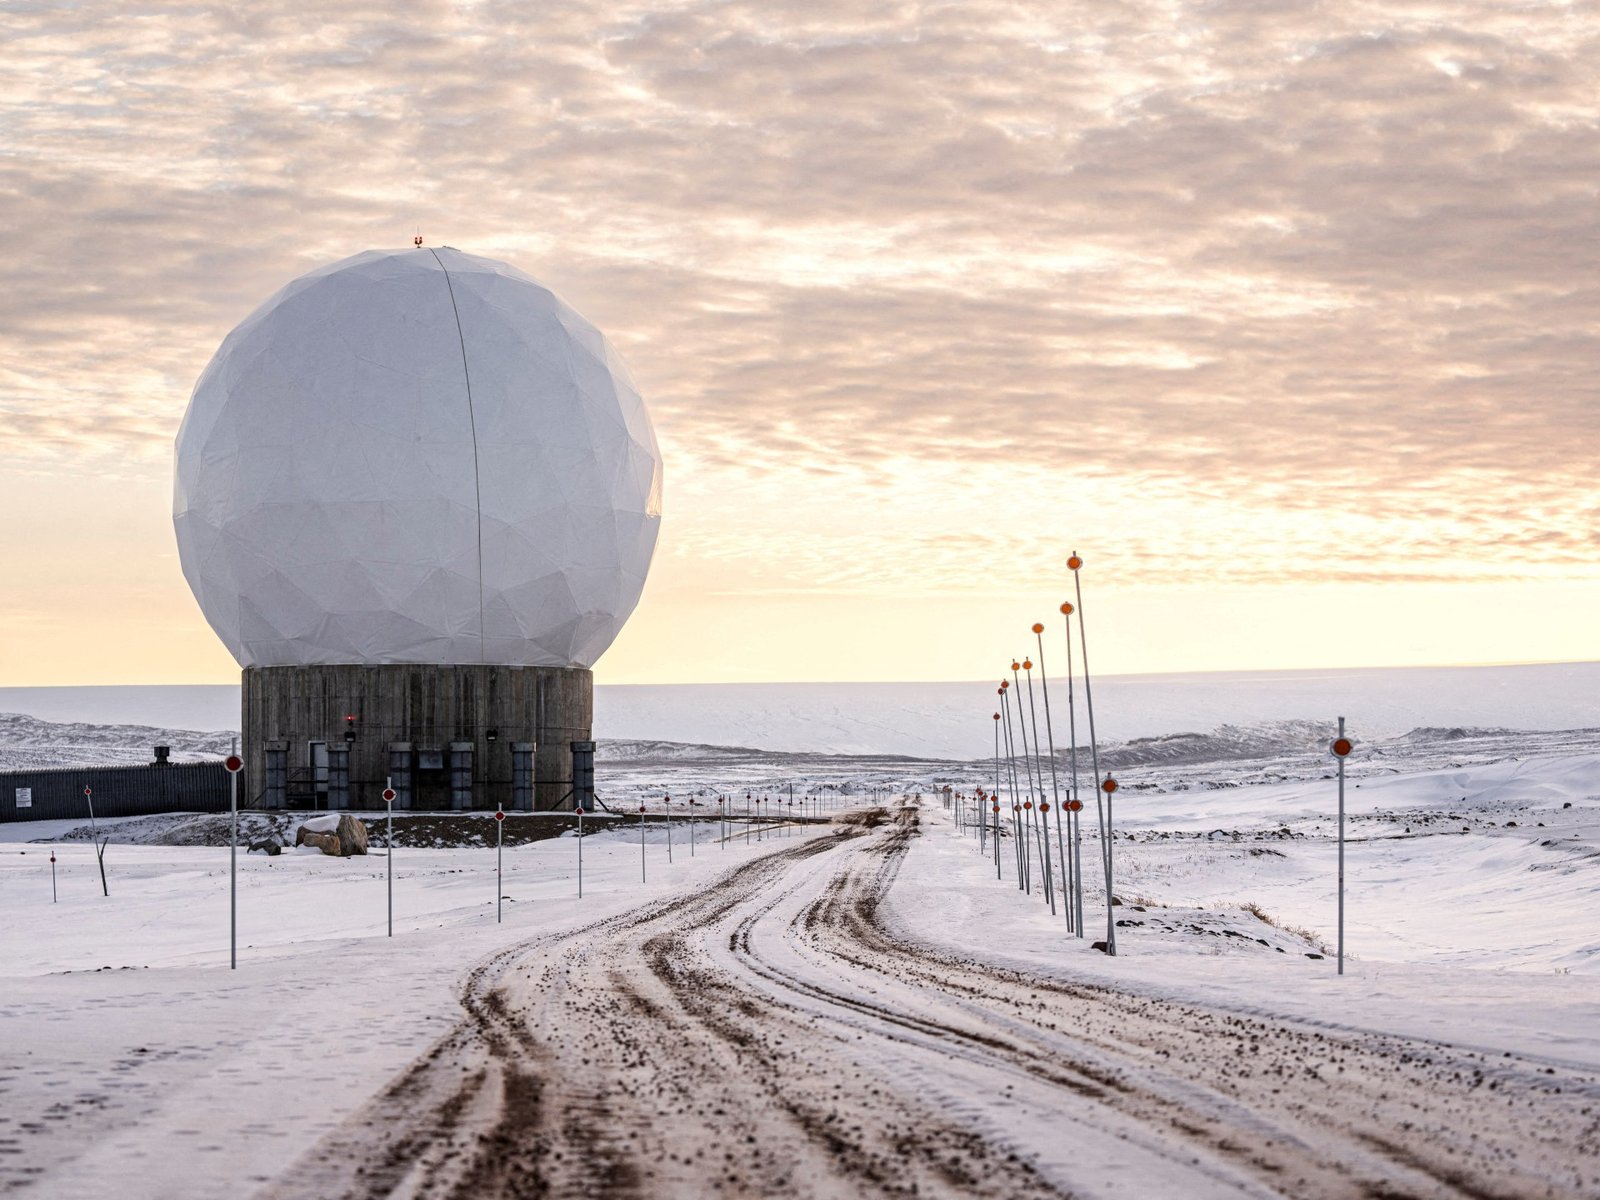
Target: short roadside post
[
  {"x": 1109, "y": 786},
  {"x": 642, "y": 867},
  {"x": 499, "y": 878},
  {"x": 1075, "y": 807},
  {"x": 580, "y": 852},
  {"x": 52, "y": 877},
  {"x": 666, "y": 815},
  {"x": 234, "y": 765},
  {"x": 1340, "y": 748},
  {"x": 388, "y": 841}
]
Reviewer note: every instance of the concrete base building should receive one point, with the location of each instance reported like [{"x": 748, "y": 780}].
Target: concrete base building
[{"x": 445, "y": 737}]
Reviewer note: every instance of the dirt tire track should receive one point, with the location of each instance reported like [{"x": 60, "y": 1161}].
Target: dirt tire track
[
  {"x": 734, "y": 1041},
  {"x": 1405, "y": 1121}
]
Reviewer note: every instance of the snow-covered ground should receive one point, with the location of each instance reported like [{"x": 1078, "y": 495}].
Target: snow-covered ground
[
  {"x": 1488, "y": 939},
  {"x": 168, "y": 904},
  {"x": 1479, "y": 850},
  {"x": 134, "y": 1058},
  {"x": 128, "y": 1039}
]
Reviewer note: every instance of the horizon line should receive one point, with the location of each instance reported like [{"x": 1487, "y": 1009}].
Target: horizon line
[{"x": 1582, "y": 662}]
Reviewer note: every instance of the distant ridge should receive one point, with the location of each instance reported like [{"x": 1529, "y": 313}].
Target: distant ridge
[{"x": 952, "y": 721}]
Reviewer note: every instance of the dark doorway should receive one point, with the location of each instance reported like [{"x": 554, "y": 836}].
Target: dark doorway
[{"x": 431, "y": 782}]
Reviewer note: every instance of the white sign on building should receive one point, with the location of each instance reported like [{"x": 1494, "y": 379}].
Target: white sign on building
[{"x": 24, "y": 797}]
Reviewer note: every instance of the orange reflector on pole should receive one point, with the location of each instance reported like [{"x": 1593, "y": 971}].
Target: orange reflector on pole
[{"x": 1109, "y": 786}]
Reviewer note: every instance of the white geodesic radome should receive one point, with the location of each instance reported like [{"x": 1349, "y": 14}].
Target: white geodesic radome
[{"x": 416, "y": 456}]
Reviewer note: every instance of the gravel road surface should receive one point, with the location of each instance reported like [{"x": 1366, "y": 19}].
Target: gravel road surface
[{"x": 772, "y": 1036}]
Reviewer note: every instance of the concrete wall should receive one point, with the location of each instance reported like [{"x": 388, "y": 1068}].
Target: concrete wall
[{"x": 428, "y": 707}]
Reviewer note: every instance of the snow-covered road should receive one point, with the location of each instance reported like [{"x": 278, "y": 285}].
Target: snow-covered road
[{"x": 772, "y": 1034}]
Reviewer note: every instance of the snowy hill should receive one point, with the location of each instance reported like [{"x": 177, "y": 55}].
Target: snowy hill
[
  {"x": 26, "y": 742},
  {"x": 952, "y": 720}
]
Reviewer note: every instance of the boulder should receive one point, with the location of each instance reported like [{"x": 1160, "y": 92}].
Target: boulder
[
  {"x": 328, "y": 843},
  {"x": 352, "y": 835},
  {"x": 339, "y": 836}
]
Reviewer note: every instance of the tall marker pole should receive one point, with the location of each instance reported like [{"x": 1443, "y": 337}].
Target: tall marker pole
[
  {"x": 642, "y": 868},
  {"x": 1340, "y": 749},
  {"x": 996, "y": 795},
  {"x": 666, "y": 815},
  {"x": 1073, "y": 564},
  {"x": 580, "y": 852},
  {"x": 1044, "y": 805},
  {"x": 1075, "y": 806},
  {"x": 1063, "y": 814},
  {"x": 1022, "y": 725},
  {"x": 1028, "y": 773},
  {"x": 1027, "y": 770},
  {"x": 233, "y": 764},
  {"x": 1011, "y": 773},
  {"x": 388, "y": 839},
  {"x": 1016, "y": 803},
  {"x": 52, "y": 876}
]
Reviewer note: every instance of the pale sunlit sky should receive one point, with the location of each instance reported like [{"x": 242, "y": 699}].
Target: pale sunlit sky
[{"x": 1286, "y": 316}]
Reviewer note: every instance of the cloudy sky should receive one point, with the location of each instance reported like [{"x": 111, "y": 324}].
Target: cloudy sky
[{"x": 1285, "y": 315}]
